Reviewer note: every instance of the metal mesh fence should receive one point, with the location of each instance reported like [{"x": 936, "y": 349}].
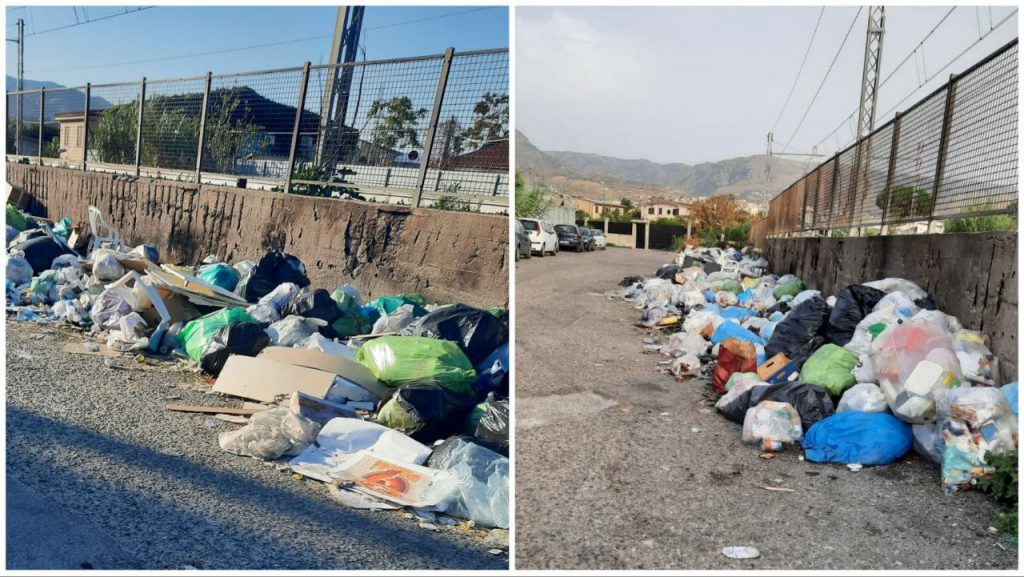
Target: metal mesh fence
[
  {"x": 949, "y": 158},
  {"x": 432, "y": 126}
]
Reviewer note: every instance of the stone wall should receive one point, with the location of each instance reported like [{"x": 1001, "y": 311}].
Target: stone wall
[
  {"x": 971, "y": 276},
  {"x": 380, "y": 249}
]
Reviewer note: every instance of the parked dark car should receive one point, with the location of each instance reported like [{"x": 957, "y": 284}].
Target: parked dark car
[
  {"x": 570, "y": 237},
  {"x": 522, "y": 240},
  {"x": 588, "y": 238}
]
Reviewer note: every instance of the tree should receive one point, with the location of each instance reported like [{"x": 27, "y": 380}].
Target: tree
[
  {"x": 905, "y": 201},
  {"x": 115, "y": 133},
  {"x": 230, "y": 134},
  {"x": 533, "y": 203},
  {"x": 627, "y": 204},
  {"x": 988, "y": 223},
  {"x": 396, "y": 122},
  {"x": 170, "y": 135},
  {"x": 582, "y": 215},
  {"x": 490, "y": 120},
  {"x": 719, "y": 218},
  {"x": 52, "y": 148}
]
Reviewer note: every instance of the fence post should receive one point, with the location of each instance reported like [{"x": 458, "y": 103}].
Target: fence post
[
  {"x": 295, "y": 127},
  {"x": 803, "y": 211},
  {"x": 138, "y": 128},
  {"x": 428, "y": 142},
  {"x": 940, "y": 166},
  {"x": 202, "y": 129},
  {"x": 891, "y": 172},
  {"x": 42, "y": 121},
  {"x": 85, "y": 128},
  {"x": 832, "y": 196},
  {"x": 17, "y": 127}
]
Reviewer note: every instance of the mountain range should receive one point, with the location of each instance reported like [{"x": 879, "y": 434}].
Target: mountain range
[
  {"x": 608, "y": 178},
  {"x": 56, "y": 103}
]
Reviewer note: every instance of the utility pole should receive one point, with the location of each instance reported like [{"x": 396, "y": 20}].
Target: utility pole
[
  {"x": 872, "y": 70},
  {"x": 20, "y": 41},
  {"x": 348, "y": 26},
  {"x": 767, "y": 176}
]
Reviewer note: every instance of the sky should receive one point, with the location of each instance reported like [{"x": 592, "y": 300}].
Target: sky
[
  {"x": 701, "y": 84},
  {"x": 101, "y": 51}
]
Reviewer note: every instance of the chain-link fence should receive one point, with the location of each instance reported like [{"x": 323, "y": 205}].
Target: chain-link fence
[
  {"x": 945, "y": 165},
  {"x": 424, "y": 131}
]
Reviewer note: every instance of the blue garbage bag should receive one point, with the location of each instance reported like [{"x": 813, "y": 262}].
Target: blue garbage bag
[
  {"x": 220, "y": 275},
  {"x": 736, "y": 313},
  {"x": 745, "y": 296},
  {"x": 852, "y": 437},
  {"x": 492, "y": 372},
  {"x": 1010, "y": 391},
  {"x": 709, "y": 295},
  {"x": 732, "y": 330}
]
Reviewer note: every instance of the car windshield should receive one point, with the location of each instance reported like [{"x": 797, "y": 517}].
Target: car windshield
[
  {"x": 528, "y": 224},
  {"x": 566, "y": 228},
  {"x": 596, "y": 232}
]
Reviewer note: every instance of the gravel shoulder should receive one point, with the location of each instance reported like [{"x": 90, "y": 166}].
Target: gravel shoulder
[
  {"x": 96, "y": 445},
  {"x": 610, "y": 473}
]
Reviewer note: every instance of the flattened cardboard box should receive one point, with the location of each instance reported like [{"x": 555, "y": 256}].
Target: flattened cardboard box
[
  {"x": 262, "y": 379},
  {"x": 320, "y": 360}
]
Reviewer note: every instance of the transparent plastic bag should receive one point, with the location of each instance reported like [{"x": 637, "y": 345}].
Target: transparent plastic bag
[
  {"x": 680, "y": 343},
  {"x": 395, "y": 321},
  {"x": 293, "y": 330},
  {"x": 110, "y": 306},
  {"x": 986, "y": 411},
  {"x": 976, "y": 360},
  {"x": 105, "y": 266},
  {"x": 19, "y": 271},
  {"x": 771, "y": 425},
  {"x": 863, "y": 398},
  {"x": 890, "y": 285},
  {"x": 928, "y": 441},
  {"x": 688, "y": 365},
  {"x": 270, "y": 434},
  {"x": 477, "y": 485},
  {"x": 896, "y": 355},
  {"x": 130, "y": 334},
  {"x": 280, "y": 296}
]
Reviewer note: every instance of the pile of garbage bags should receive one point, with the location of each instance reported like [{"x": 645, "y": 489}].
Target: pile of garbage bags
[
  {"x": 418, "y": 414},
  {"x": 861, "y": 377}
]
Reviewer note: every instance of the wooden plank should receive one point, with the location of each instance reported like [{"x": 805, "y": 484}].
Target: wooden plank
[{"x": 212, "y": 410}]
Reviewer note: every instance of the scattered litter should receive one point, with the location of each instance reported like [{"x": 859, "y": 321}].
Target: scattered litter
[
  {"x": 428, "y": 526},
  {"x": 741, "y": 552},
  {"x": 854, "y": 467},
  {"x": 778, "y": 489}
]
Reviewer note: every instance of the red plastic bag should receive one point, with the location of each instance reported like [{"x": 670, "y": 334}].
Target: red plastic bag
[{"x": 734, "y": 355}]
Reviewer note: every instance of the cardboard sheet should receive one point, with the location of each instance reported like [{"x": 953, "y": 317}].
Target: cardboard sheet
[
  {"x": 320, "y": 360},
  {"x": 262, "y": 379}
]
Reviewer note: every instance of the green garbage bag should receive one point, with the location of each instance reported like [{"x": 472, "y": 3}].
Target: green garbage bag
[
  {"x": 831, "y": 368},
  {"x": 44, "y": 283},
  {"x": 198, "y": 334},
  {"x": 388, "y": 305},
  {"x": 792, "y": 287},
  {"x": 401, "y": 360},
  {"x": 348, "y": 300},
  {"x": 220, "y": 275},
  {"x": 737, "y": 376},
  {"x": 474, "y": 418},
  {"x": 63, "y": 228},
  {"x": 15, "y": 217},
  {"x": 351, "y": 323}
]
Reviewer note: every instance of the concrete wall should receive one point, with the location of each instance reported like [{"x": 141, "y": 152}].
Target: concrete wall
[
  {"x": 380, "y": 249},
  {"x": 971, "y": 276}
]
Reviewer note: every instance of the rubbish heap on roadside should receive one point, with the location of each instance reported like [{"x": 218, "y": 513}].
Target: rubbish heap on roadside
[
  {"x": 860, "y": 378},
  {"x": 393, "y": 402}
]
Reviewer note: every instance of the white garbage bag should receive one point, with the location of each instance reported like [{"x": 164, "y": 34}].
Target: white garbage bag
[
  {"x": 105, "y": 266},
  {"x": 270, "y": 434},
  {"x": 863, "y": 398}
]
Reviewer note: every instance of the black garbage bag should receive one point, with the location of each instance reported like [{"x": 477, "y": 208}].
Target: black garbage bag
[
  {"x": 629, "y": 280},
  {"x": 667, "y": 272},
  {"x": 853, "y": 303},
  {"x": 444, "y": 453},
  {"x": 313, "y": 304},
  {"x": 273, "y": 269},
  {"x": 927, "y": 303},
  {"x": 801, "y": 332},
  {"x": 811, "y": 402},
  {"x": 237, "y": 339},
  {"x": 40, "y": 250},
  {"x": 781, "y": 307},
  {"x": 493, "y": 426},
  {"x": 477, "y": 332},
  {"x": 426, "y": 411}
]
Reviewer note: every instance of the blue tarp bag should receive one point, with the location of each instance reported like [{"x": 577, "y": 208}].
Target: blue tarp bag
[
  {"x": 736, "y": 313},
  {"x": 732, "y": 330},
  {"x": 852, "y": 437},
  {"x": 1010, "y": 391}
]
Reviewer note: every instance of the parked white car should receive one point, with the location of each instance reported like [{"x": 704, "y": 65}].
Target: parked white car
[
  {"x": 599, "y": 240},
  {"x": 543, "y": 239}
]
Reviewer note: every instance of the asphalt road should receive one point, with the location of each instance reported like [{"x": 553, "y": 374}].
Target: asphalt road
[
  {"x": 101, "y": 476},
  {"x": 620, "y": 467}
]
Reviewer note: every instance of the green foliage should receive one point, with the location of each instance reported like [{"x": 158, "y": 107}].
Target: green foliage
[
  {"x": 52, "y": 148},
  {"x": 678, "y": 244},
  {"x": 582, "y": 215},
  {"x": 840, "y": 233},
  {"x": 170, "y": 134},
  {"x": 342, "y": 188},
  {"x": 1002, "y": 488},
  {"x": 616, "y": 215},
  {"x": 229, "y": 132},
  {"x": 115, "y": 133},
  {"x": 490, "y": 120},
  {"x": 990, "y": 223},
  {"x": 716, "y": 235},
  {"x": 627, "y": 204},
  {"x": 532, "y": 203},
  {"x": 396, "y": 122},
  {"x": 454, "y": 204},
  {"x": 668, "y": 220},
  {"x": 904, "y": 201}
]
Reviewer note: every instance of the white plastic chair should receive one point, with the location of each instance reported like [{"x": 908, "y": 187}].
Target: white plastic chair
[{"x": 103, "y": 235}]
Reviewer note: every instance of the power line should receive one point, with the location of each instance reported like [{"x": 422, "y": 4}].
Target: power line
[
  {"x": 823, "y": 80},
  {"x": 950, "y": 63},
  {"x": 87, "y": 21},
  {"x": 252, "y": 46},
  {"x": 800, "y": 71},
  {"x": 905, "y": 59}
]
